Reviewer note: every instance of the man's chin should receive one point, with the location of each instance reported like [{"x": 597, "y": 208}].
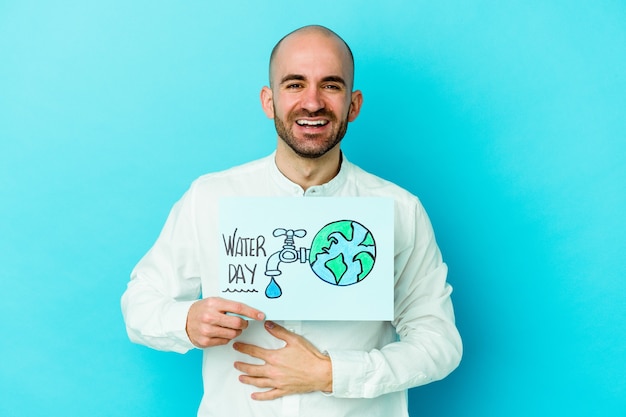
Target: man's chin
[
  {"x": 310, "y": 146},
  {"x": 314, "y": 153}
]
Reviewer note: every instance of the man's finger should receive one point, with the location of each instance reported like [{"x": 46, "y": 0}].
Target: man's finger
[
  {"x": 242, "y": 310},
  {"x": 249, "y": 369},
  {"x": 232, "y": 322},
  {"x": 268, "y": 395},
  {"x": 257, "y": 382},
  {"x": 251, "y": 350},
  {"x": 278, "y": 331}
]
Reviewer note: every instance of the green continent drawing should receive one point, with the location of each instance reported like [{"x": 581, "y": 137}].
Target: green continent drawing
[{"x": 343, "y": 253}]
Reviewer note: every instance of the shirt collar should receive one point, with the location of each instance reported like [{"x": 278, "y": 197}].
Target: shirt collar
[{"x": 323, "y": 190}]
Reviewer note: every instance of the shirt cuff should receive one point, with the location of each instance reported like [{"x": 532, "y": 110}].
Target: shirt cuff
[
  {"x": 175, "y": 325},
  {"x": 348, "y": 373}
]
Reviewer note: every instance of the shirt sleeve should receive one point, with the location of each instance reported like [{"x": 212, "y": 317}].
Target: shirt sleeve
[
  {"x": 429, "y": 346},
  {"x": 164, "y": 284}
]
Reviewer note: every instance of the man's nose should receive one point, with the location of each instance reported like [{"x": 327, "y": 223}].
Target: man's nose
[{"x": 312, "y": 99}]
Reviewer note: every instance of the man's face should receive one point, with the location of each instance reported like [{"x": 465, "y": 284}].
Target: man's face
[{"x": 311, "y": 100}]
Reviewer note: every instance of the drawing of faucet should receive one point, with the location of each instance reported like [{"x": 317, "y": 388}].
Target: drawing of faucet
[{"x": 288, "y": 254}]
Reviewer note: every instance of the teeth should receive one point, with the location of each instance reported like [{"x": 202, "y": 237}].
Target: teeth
[{"x": 311, "y": 122}]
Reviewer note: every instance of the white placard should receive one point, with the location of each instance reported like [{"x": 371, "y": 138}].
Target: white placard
[{"x": 309, "y": 258}]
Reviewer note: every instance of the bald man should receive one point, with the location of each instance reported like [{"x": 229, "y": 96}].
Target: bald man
[{"x": 297, "y": 368}]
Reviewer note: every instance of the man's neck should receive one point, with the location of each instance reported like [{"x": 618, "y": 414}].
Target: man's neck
[{"x": 308, "y": 172}]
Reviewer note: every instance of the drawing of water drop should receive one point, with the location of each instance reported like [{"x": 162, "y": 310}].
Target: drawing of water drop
[{"x": 273, "y": 290}]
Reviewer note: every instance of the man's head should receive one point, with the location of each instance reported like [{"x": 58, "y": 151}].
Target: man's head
[
  {"x": 310, "y": 96},
  {"x": 317, "y": 30}
]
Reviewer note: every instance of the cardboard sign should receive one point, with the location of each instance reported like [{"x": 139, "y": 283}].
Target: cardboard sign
[{"x": 309, "y": 258}]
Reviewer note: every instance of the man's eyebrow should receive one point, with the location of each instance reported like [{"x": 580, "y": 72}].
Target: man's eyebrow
[
  {"x": 334, "y": 79},
  {"x": 292, "y": 77}
]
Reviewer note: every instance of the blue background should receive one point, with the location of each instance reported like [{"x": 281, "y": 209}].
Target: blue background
[{"x": 508, "y": 119}]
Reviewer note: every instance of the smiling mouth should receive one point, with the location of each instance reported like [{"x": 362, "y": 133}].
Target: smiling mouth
[{"x": 311, "y": 123}]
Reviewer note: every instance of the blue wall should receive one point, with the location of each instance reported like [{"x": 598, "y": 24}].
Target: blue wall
[{"x": 508, "y": 119}]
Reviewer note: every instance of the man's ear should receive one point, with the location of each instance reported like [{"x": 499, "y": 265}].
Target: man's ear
[
  {"x": 355, "y": 105},
  {"x": 267, "y": 102}
]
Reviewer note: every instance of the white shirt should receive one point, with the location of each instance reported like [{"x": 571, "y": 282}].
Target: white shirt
[{"x": 373, "y": 363}]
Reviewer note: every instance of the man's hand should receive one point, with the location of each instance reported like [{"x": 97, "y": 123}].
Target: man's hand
[
  {"x": 209, "y": 325},
  {"x": 298, "y": 367}
]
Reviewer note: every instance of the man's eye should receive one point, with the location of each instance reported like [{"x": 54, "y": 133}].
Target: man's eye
[
  {"x": 331, "y": 87},
  {"x": 294, "y": 86}
]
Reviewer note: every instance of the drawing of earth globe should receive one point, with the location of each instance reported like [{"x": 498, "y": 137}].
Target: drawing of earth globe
[{"x": 343, "y": 253}]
